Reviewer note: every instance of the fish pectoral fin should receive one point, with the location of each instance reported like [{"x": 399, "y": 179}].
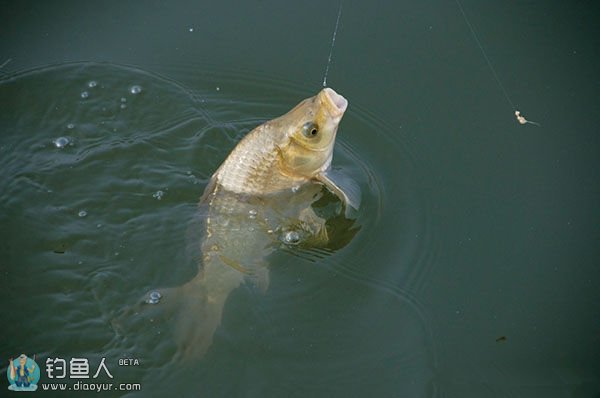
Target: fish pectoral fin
[
  {"x": 315, "y": 225},
  {"x": 258, "y": 274},
  {"x": 234, "y": 264},
  {"x": 343, "y": 186}
]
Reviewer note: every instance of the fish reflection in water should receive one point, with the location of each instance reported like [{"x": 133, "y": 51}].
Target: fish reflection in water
[{"x": 275, "y": 190}]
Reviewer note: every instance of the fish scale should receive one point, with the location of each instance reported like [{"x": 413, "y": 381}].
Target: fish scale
[{"x": 255, "y": 172}]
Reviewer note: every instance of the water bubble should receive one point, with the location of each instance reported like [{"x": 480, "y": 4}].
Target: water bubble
[
  {"x": 123, "y": 99},
  {"x": 82, "y": 213},
  {"x": 295, "y": 188},
  {"x": 123, "y": 106},
  {"x": 218, "y": 88},
  {"x": 84, "y": 95},
  {"x": 154, "y": 297},
  {"x": 191, "y": 29},
  {"x": 135, "y": 89},
  {"x": 61, "y": 142},
  {"x": 252, "y": 213},
  {"x": 70, "y": 126},
  {"x": 92, "y": 84},
  {"x": 291, "y": 238},
  {"x": 158, "y": 195},
  {"x": 99, "y": 226}
]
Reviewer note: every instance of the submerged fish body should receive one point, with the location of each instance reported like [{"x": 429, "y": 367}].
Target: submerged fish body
[
  {"x": 240, "y": 234},
  {"x": 258, "y": 200}
]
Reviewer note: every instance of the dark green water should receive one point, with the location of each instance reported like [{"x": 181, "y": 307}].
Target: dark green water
[{"x": 475, "y": 269}]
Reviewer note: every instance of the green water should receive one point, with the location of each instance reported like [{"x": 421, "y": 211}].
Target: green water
[{"x": 474, "y": 272}]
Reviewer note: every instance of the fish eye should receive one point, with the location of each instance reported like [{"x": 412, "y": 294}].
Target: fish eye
[{"x": 310, "y": 129}]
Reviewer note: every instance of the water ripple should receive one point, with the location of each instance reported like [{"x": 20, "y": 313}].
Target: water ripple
[{"x": 127, "y": 145}]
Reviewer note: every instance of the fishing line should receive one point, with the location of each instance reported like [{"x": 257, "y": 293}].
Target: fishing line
[
  {"x": 337, "y": 23},
  {"x": 520, "y": 118}
]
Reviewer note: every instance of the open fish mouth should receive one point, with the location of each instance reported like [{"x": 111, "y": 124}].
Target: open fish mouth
[{"x": 337, "y": 103}]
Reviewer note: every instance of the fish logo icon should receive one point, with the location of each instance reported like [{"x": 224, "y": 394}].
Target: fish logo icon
[{"x": 23, "y": 374}]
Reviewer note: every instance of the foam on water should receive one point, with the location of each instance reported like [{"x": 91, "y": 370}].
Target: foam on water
[
  {"x": 154, "y": 297},
  {"x": 158, "y": 195},
  {"x": 61, "y": 142},
  {"x": 291, "y": 237},
  {"x": 135, "y": 89}
]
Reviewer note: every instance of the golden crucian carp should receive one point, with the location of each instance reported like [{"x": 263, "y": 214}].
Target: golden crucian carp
[{"x": 259, "y": 199}]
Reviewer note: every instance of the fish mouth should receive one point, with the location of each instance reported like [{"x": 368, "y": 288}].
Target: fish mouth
[{"x": 336, "y": 103}]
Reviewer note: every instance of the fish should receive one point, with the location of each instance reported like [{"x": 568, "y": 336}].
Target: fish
[
  {"x": 261, "y": 198},
  {"x": 287, "y": 152}
]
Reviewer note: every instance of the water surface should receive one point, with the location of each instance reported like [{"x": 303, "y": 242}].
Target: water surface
[{"x": 473, "y": 272}]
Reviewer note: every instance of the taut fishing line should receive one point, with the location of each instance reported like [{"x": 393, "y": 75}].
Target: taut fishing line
[{"x": 337, "y": 24}]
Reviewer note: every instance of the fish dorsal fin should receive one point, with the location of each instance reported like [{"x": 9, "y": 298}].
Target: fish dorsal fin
[
  {"x": 343, "y": 186},
  {"x": 210, "y": 187}
]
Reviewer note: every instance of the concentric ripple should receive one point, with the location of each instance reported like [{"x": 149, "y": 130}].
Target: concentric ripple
[{"x": 102, "y": 168}]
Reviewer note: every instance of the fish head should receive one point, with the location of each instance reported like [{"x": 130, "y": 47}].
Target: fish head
[{"x": 310, "y": 129}]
